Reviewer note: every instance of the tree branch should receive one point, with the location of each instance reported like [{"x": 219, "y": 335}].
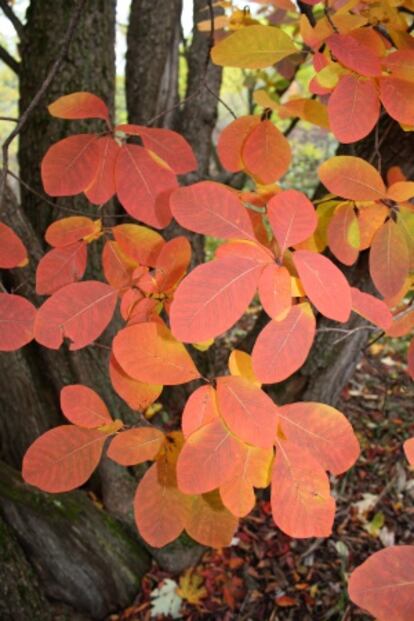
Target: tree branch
[
  {"x": 11, "y": 15},
  {"x": 9, "y": 60}
]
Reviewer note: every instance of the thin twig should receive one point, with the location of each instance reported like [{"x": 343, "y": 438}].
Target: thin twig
[
  {"x": 11, "y": 15},
  {"x": 9, "y": 60},
  {"x": 11, "y": 119},
  {"x": 38, "y": 96}
]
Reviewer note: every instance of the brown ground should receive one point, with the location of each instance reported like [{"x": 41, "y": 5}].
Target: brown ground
[{"x": 267, "y": 575}]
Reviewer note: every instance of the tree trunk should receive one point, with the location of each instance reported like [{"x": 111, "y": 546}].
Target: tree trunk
[
  {"x": 89, "y": 66},
  {"x": 83, "y": 557}
]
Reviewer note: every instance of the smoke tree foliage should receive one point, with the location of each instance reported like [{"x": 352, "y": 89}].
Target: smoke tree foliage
[{"x": 233, "y": 437}]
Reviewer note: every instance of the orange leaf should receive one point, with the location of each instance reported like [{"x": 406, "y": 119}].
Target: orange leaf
[
  {"x": 324, "y": 284},
  {"x": 17, "y": 316},
  {"x": 301, "y": 502},
  {"x": 12, "y": 250},
  {"x": 389, "y": 259},
  {"x": 138, "y": 242},
  {"x": 80, "y": 105},
  {"x": 136, "y": 394},
  {"x": 384, "y": 584},
  {"x": 292, "y": 218},
  {"x": 283, "y": 346},
  {"x": 402, "y": 325},
  {"x": 79, "y": 311},
  {"x": 118, "y": 268},
  {"x": 353, "y": 54},
  {"x": 352, "y": 178},
  {"x": 200, "y": 408},
  {"x": 69, "y": 230},
  {"x": 143, "y": 186},
  {"x": 401, "y": 64},
  {"x": 409, "y": 450},
  {"x": 60, "y": 267},
  {"x": 266, "y": 153},
  {"x": 231, "y": 140},
  {"x": 353, "y": 108},
  {"x": 63, "y": 458},
  {"x": 102, "y": 187},
  {"x": 209, "y": 522},
  {"x": 70, "y": 165},
  {"x": 168, "y": 145},
  {"x": 371, "y": 217},
  {"x": 211, "y": 209},
  {"x": 172, "y": 263},
  {"x": 410, "y": 359},
  {"x": 401, "y": 191},
  {"x": 136, "y": 446},
  {"x": 343, "y": 234},
  {"x": 210, "y": 457},
  {"x": 247, "y": 411},
  {"x": 159, "y": 507},
  {"x": 149, "y": 353},
  {"x": 82, "y": 406},
  {"x": 245, "y": 249},
  {"x": 323, "y": 431},
  {"x": 397, "y": 97},
  {"x": 370, "y": 307},
  {"x": 212, "y": 298}
]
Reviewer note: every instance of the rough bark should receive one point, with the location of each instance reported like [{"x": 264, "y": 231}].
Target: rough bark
[
  {"x": 82, "y": 556},
  {"x": 152, "y": 61},
  {"x": 89, "y": 66}
]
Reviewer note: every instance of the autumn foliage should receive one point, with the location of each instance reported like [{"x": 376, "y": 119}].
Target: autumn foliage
[{"x": 277, "y": 247}]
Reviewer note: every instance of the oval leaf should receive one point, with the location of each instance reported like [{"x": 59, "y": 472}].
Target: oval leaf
[
  {"x": 389, "y": 259},
  {"x": 266, "y": 153},
  {"x": 352, "y": 178},
  {"x": 12, "y": 250},
  {"x": 79, "y": 105},
  {"x": 60, "y": 267},
  {"x": 135, "y": 446},
  {"x": 200, "y": 409},
  {"x": 292, "y": 218},
  {"x": 82, "y": 406},
  {"x": 353, "y": 108},
  {"x": 17, "y": 316}
]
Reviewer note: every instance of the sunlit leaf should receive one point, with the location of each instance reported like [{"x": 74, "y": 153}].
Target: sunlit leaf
[
  {"x": 292, "y": 218},
  {"x": 231, "y": 140},
  {"x": 70, "y": 230},
  {"x": 139, "y": 242},
  {"x": 266, "y": 153},
  {"x": 354, "y": 55},
  {"x": 351, "y": 177},
  {"x": 102, "y": 187},
  {"x": 80, "y": 105},
  {"x": 240, "y": 365},
  {"x": 343, "y": 234},
  {"x": 397, "y": 97},
  {"x": 353, "y": 108}
]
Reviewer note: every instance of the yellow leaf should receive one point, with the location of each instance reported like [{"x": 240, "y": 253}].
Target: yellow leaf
[
  {"x": 203, "y": 345},
  {"x": 254, "y": 47},
  {"x": 152, "y": 410},
  {"x": 190, "y": 587},
  {"x": 240, "y": 365},
  {"x": 112, "y": 427}
]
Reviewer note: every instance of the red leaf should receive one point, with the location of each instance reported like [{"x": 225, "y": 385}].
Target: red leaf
[
  {"x": 60, "y": 267},
  {"x": 246, "y": 250},
  {"x": 212, "y": 298},
  {"x": 102, "y": 187},
  {"x": 211, "y": 209},
  {"x": 159, "y": 507},
  {"x": 352, "y": 178},
  {"x": 301, "y": 502},
  {"x": 137, "y": 395},
  {"x": 80, "y": 312},
  {"x": 118, "y": 268},
  {"x": 140, "y": 243},
  {"x": 80, "y": 105},
  {"x": 283, "y": 346},
  {"x": 324, "y": 284},
  {"x": 63, "y": 458},
  {"x": 17, "y": 316},
  {"x": 168, "y": 145},
  {"x": 410, "y": 359},
  {"x": 149, "y": 353},
  {"x": 200, "y": 409},
  {"x": 70, "y": 165},
  {"x": 323, "y": 431},
  {"x": 354, "y": 55},
  {"x": 12, "y": 250},
  {"x": 142, "y": 185},
  {"x": 70, "y": 230},
  {"x": 247, "y": 411},
  {"x": 266, "y": 153},
  {"x": 210, "y": 456},
  {"x": 384, "y": 584},
  {"x": 275, "y": 291},
  {"x": 370, "y": 307},
  {"x": 353, "y": 108},
  {"x": 82, "y": 406},
  {"x": 231, "y": 140},
  {"x": 409, "y": 450},
  {"x": 397, "y": 97},
  {"x": 389, "y": 259},
  {"x": 172, "y": 263},
  {"x": 292, "y": 218},
  {"x": 135, "y": 446}
]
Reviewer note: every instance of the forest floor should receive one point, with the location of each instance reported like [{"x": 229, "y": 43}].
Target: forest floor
[{"x": 267, "y": 576}]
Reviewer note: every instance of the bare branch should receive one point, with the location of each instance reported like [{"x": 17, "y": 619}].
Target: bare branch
[
  {"x": 42, "y": 90},
  {"x": 11, "y": 15},
  {"x": 9, "y": 60}
]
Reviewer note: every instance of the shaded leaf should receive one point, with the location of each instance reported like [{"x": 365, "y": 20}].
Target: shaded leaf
[
  {"x": 353, "y": 108},
  {"x": 17, "y": 316},
  {"x": 82, "y": 406},
  {"x": 136, "y": 394},
  {"x": 389, "y": 259},
  {"x": 200, "y": 409},
  {"x": 102, "y": 187},
  {"x": 79, "y": 105},
  {"x": 371, "y": 308},
  {"x": 135, "y": 446},
  {"x": 12, "y": 250},
  {"x": 60, "y": 267},
  {"x": 292, "y": 218},
  {"x": 266, "y": 153}
]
